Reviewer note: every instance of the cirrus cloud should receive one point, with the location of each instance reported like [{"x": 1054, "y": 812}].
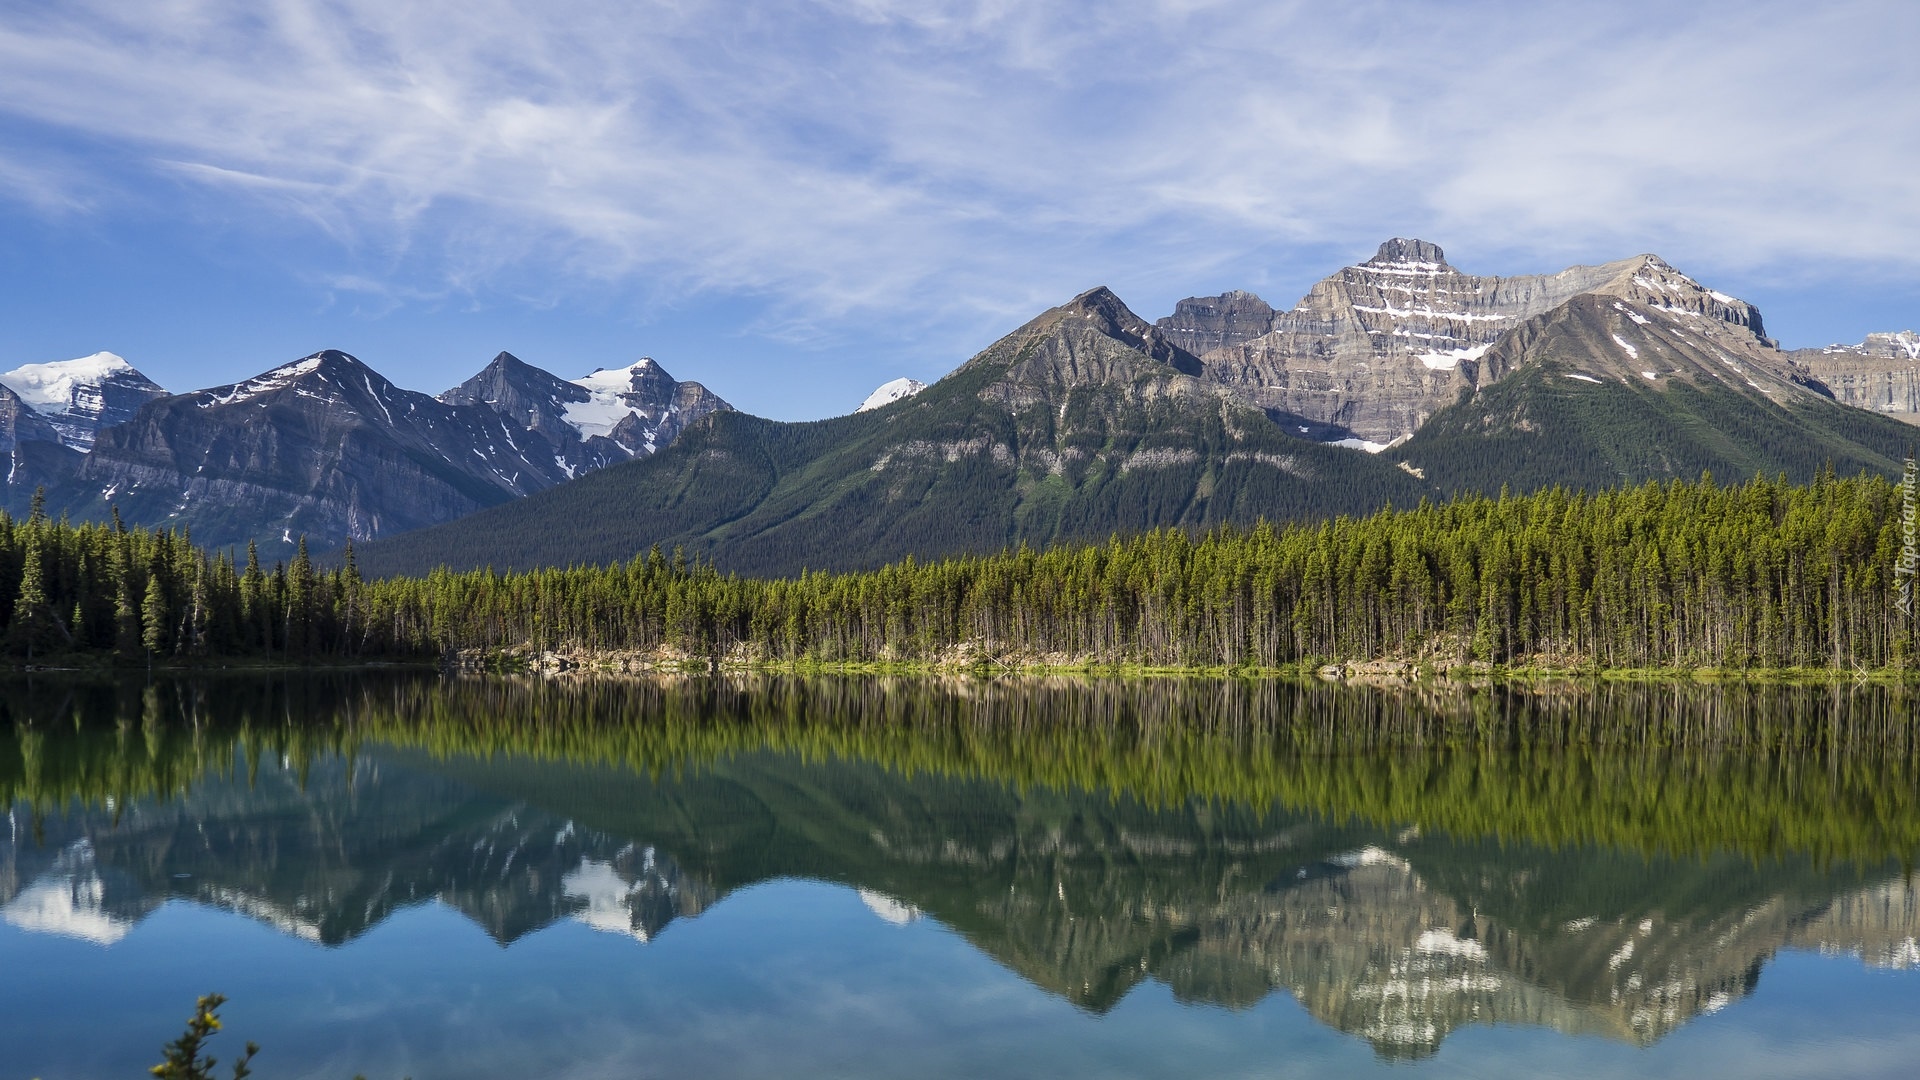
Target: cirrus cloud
[{"x": 960, "y": 163}]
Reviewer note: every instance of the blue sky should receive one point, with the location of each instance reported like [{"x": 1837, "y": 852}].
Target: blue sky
[{"x": 795, "y": 202}]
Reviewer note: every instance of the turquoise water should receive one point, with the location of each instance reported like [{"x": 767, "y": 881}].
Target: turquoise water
[{"x": 386, "y": 909}]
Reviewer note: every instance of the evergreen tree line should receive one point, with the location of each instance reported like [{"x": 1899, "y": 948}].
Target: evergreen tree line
[
  {"x": 1763, "y": 574},
  {"x": 143, "y": 594}
]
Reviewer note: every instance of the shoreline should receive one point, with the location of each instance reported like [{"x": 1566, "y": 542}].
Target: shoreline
[
  {"x": 1366, "y": 672},
  {"x": 586, "y": 663}
]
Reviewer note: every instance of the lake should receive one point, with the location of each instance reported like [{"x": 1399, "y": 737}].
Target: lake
[{"x": 411, "y": 875}]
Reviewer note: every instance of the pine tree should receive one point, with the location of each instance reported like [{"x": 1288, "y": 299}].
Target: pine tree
[{"x": 153, "y": 616}]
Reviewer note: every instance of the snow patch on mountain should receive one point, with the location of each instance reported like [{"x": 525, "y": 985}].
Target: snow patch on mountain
[
  {"x": 1444, "y": 942},
  {"x": 1367, "y": 445},
  {"x": 273, "y": 380},
  {"x": 888, "y": 393},
  {"x": 607, "y": 404},
  {"x": 1448, "y": 359}
]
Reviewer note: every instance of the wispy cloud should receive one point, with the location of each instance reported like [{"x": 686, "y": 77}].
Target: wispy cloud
[{"x": 965, "y": 160}]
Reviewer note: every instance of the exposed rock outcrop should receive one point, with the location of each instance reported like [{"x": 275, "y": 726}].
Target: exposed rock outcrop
[
  {"x": 1881, "y": 373},
  {"x": 1371, "y": 352}
]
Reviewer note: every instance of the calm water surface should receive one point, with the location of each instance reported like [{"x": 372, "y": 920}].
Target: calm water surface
[{"x": 706, "y": 877}]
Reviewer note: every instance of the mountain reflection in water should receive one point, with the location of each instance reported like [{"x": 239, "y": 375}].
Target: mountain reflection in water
[{"x": 1402, "y": 862}]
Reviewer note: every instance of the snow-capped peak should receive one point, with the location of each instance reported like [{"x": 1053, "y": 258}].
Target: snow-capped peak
[
  {"x": 49, "y": 387},
  {"x": 888, "y": 393},
  {"x": 79, "y": 397}
]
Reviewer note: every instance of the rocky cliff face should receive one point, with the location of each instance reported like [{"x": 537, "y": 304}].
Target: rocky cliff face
[
  {"x": 1881, "y": 373},
  {"x": 1371, "y": 352},
  {"x": 35, "y": 455},
  {"x": 1201, "y": 324},
  {"x": 21, "y": 423}
]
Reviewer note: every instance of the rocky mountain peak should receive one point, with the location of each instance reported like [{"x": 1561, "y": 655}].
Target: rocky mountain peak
[
  {"x": 1100, "y": 302},
  {"x": 529, "y": 396},
  {"x": 1903, "y": 344},
  {"x": 1099, "y": 310},
  {"x": 1203, "y": 323},
  {"x": 327, "y": 374},
  {"x": 1401, "y": 251},
  {"x": 1651, "y": 281},
  {"x": 507, "y": 363},
  {"x": 333, "y": 363}
]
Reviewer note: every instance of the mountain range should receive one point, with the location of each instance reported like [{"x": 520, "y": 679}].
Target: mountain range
[
  {"x": 1394, "y": 381},
  {"x": 325, "y": 446},
  {"x": 1398, "y": 379}
]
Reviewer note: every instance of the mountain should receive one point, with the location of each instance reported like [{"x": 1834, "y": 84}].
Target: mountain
[
  {"x": 890, "y": 392},
  {"x": 324, "y": 446},
  {"x": 593, "y": 422},
  {"x": 1626, "y": 384},
  {"x": 1372, "y": 351},
  {"x": 1881, "y": 374},
  {"x": 1084, "y": 422},
  {"x": 79, "y": 397},
  {"x": 327, "y": 447}
]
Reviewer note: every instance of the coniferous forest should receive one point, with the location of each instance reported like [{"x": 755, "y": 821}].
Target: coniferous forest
[{"x": 1668, "y": 575}]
